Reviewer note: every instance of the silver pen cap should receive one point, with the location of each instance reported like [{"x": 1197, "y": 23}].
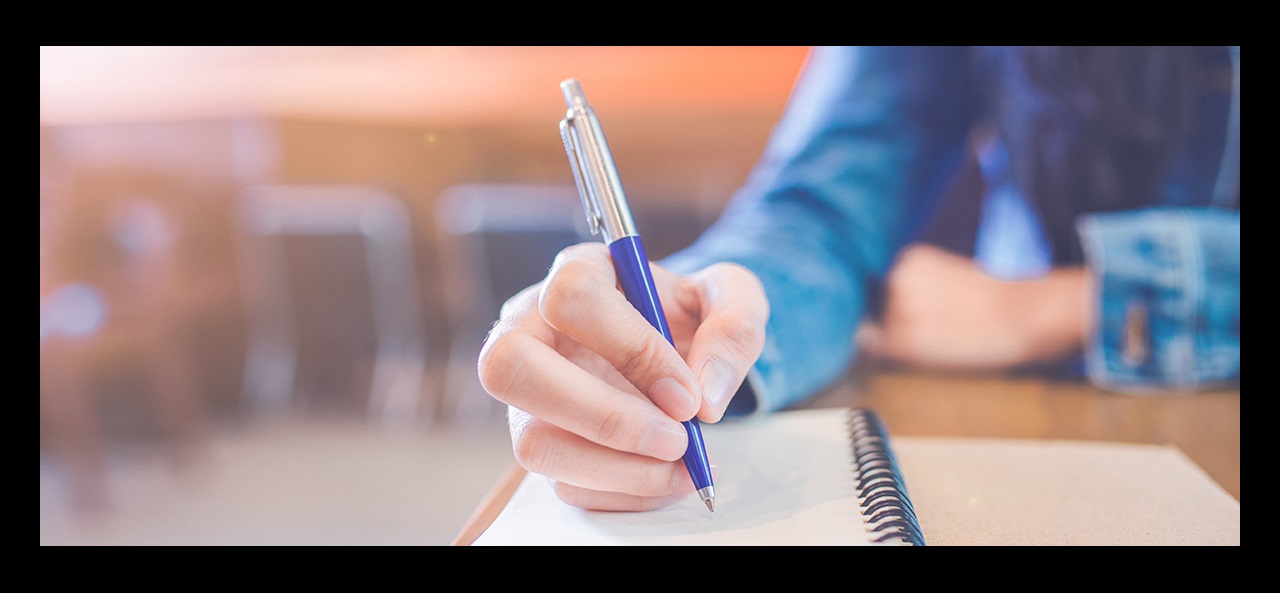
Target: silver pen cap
[{"x": 593, "y": 167}]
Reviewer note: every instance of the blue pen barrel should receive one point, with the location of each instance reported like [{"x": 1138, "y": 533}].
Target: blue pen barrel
[{"x": 636, "y": 278}]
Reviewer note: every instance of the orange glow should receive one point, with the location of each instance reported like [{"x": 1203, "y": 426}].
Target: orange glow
[{"x": 461, "y": 84}]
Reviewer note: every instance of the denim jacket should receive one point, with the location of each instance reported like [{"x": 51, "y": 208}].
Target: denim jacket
[{"x": 851, "y": 174}]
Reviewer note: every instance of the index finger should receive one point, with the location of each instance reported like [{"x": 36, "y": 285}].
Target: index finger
[{"x": 581, "y": 299}]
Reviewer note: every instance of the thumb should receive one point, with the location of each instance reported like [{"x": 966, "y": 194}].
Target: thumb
[{"x": 730, "y": 335}]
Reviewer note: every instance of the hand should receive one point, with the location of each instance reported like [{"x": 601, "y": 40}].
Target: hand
[
  {"x": 596, "y": 394},
  {"x": 941, "y": 310}
]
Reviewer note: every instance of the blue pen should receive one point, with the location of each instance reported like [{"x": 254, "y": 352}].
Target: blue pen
[{"x": 607, "y": 213}]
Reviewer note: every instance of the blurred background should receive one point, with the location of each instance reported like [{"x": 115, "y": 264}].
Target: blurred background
[{"x": 266, "y": 272}]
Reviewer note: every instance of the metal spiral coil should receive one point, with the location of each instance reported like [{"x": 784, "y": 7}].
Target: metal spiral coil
[{"x": 882, "y": 493}]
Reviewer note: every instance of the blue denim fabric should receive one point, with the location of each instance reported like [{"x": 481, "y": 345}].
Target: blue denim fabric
[
  {"x": 1169, "y": 298},
  {"x": 851, "y": 172}
]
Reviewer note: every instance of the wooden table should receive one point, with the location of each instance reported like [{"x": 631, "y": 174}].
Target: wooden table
[{"x": 1204, "y": 425}]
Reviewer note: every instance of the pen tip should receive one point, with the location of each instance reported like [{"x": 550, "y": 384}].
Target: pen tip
[{"x": 708, "y": 496}]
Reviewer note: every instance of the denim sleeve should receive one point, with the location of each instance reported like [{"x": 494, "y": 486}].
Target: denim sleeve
[
  {"x": 864, "y": 145},
  {"x": 1168, "y": 300}
]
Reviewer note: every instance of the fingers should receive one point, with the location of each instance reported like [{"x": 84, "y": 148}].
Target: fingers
[
  {"x": 596, "y": 500},
  {"x": 730, "y": 337},
  {"x": 543, "y": 447},
  {"x": 571, "y": 358},
  {"x": 593, "y": 477},
  {"x": 521, "y": 369},
  {"x": 581, "y": 300}
]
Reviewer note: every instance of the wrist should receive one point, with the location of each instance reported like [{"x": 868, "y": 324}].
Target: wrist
[{"x": 1054, "y": 313}]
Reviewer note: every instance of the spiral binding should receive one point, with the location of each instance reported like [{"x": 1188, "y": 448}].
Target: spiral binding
[{"x": 882, "y": 493}]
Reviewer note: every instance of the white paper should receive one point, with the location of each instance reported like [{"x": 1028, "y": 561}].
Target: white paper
[{"x": 784, "y": 479}]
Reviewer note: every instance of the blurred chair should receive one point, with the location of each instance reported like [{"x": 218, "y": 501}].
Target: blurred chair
[
  {"x": 496, "y": 239},
  {"x": 378, "y": 223}
]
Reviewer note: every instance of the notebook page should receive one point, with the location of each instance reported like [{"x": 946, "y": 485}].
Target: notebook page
[
  {"x": 783, "y": 479},
  {"x": 1013, "y": 492}
]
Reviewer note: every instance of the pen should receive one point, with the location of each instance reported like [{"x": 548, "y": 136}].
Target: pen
[{"x": 609, "y": 215}]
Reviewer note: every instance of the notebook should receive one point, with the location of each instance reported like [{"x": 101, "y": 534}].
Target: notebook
[
  {"x": 835, "y": 476},
  {"x": 804, "y": 477}
]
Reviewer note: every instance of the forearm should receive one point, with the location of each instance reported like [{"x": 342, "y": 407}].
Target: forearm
[
  {"x": 868, "y": 138},
  {"x": 942, "y": 310}
]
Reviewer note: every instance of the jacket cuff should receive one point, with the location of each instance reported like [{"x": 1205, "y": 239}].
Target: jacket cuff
[{"x": 1168, "y": 298}]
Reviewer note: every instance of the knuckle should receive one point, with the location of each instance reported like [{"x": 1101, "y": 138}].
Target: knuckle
[
  {"x": 610, "y": 428},
  {"x": 586, "y": 249},
  {"x": 744, "y": 335},
  {"x": 519, "y": 302},
  {"x": 501, "y": 366},
  {"x": 576, "y": 255},
  {"x": 533, "y": 450},
  {"x": 654, "y": 480},
  {"x": 567, "y": 288},
  {"x": 518, "y": 422},
  {"x": 639, "y": 358},
  {"x": 639, "y": 483}
]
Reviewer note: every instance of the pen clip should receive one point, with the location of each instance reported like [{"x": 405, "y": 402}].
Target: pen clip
[{"x": 589, "y": 204}]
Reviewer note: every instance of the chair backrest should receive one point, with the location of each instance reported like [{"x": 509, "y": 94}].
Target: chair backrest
[
  {"x": 501, "y": 238},
  {"x": 495, "y": 240},
  {"x": 348, "y": 219}
]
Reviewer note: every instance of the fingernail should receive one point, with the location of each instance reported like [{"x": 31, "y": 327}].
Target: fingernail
[
  {"x": 716, "y": 380},
  {"x": 664, "y": 440},
  {"x": 670, "y": 392}
]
